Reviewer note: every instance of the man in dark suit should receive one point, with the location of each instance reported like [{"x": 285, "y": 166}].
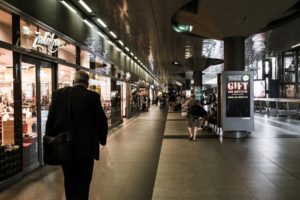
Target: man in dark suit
[{"x": 89, "y": 128}]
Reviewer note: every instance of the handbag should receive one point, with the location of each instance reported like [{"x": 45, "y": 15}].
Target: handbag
[
  {"x": 58, "y": 148},
  {"x": 184, "y": 112}
]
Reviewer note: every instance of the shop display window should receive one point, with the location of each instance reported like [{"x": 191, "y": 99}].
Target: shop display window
[
  {"x": 66, "y": 76},
  {"x": 9, "y": 150},
  {"x": 102, "y": 66},
  {"x": 46, "y": 94},
  {"x": 134, "y": 99},
  {"x": 115, "y": 101},
  {"x": 28, "y": 31},
  {"x": 5, "y": 27},
  {"x": 86, "y": 58},
  {"x": 290, "y": 91},
  {"x": 102, "y": 85},
  {"x": 68, "y": 52},
  {"x": 289, "y": 67},
  {"x": 29, "y": 114}
]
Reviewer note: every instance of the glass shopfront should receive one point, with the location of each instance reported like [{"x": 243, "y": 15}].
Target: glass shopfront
[
  {"x": 10, "y": 162},
  {"x": 25, "y": 97},
  {"x": 290, "y": 76},
  {"x": 134, "y": 100},
  {"x": 5, "y": 27},
  {"x": 66, "y": 76},
  {"x": 102, "y": 85},
  {"x": 37, "y": 87},
  {"x": 116, "y": 116}
]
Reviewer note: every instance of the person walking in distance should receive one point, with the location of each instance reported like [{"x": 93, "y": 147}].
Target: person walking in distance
[
  {"x": 195, "y": 111},
  {"x": 89, "y": 128}
]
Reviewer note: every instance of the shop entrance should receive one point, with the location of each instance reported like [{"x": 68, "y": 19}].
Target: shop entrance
[{"x": 37, "y": 85}]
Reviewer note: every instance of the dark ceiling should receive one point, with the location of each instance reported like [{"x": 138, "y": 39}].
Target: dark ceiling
[{"x": 145, "y": 28}]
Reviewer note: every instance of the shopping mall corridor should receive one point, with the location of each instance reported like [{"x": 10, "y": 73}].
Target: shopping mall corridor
[{"x": 150, "y": 157}]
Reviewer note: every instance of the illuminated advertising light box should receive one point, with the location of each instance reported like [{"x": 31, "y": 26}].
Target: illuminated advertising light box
[
  {"x": 237, "y": 95},
  {"x": 237, "y": 101},
  {"x": 259, "y": 89}
]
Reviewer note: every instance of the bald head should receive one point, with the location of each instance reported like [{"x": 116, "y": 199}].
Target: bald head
[{"x": 81, "y": 78}]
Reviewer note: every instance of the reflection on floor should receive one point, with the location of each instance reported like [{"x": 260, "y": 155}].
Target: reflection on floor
[{"x": 150, "y": 157}]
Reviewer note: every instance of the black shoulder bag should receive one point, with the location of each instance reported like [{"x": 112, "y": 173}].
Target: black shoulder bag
[{"x": 58, "y": 149}]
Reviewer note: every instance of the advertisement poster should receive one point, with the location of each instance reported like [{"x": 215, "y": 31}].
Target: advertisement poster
[
  {"x": 199, "y": 93},
  {"x": 259, "y": 89},
  {"x": 237, "y": 95}
]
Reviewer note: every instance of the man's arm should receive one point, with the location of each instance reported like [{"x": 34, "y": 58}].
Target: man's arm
[
  {"x": 101, "y": 121},
  {"x": 51, "y": 114}
]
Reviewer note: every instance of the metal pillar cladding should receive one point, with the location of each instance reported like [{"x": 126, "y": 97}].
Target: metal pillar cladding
[
  {"x": 234, "y": 60},
  {"x": 234, "y": 54}
]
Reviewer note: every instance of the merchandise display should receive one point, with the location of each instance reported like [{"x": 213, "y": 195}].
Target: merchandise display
[{"x": 10, "y": 162}]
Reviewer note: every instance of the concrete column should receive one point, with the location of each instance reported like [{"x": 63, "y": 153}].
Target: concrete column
[
  {"x": 234, "y": 54},
  {"x": 187, "y": 84},
  {"x": 197, "y": 78},
  {"x": 234, "y": 60}
]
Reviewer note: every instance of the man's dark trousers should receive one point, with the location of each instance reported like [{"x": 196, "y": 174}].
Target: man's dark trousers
[{"x": 78, "y": 175}]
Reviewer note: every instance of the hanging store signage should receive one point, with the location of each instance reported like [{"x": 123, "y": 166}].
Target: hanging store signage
[
  {"x": 237, "y": 95},
  {"x": 47, "y": 40}
]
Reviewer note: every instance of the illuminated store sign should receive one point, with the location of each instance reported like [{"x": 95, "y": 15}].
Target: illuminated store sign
[
  {"x": 47, "y": 40},
  {"x": 237, "y": 95}
]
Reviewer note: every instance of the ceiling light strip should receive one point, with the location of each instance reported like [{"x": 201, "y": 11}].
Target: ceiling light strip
[
  {"x": 85, "y": 6},
  {"x": 88, "y": 23},
  {"x": 101, "y": 23},
  {"x": 113, "y": 34},
  {"x": 101, "y": 35},
  {"x": 68, "y": 6},
  {"x": 110, "y": 42},
  {"x": 297, "y": 45},
  {"x": 120, "y": 42}
]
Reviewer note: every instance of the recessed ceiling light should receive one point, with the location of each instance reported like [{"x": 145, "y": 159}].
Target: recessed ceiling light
[
  {"x": 110, "y": 43},
  {"x": 297, "y": 45},
  {"x": 87, "y": 23},
  {"x": 85, "y": 6},
  {"x": 112, "y": 34},
  {"x": 99, "y": 33},
  {"x": 68, "y": 6},
  {"x": 101, "y": 23},
  {"x": 120, "y": 42}
]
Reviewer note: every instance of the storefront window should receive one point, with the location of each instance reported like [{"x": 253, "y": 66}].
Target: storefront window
[
  {"x": 9, "y": 151},
  {"x": 102, "y": 66},
  {"x": 115, "y": 101},
  {"x": 5, "y": 27},
  {"x": 289, "y": 67},
  {"x": 29, "y": 115},
  {"x": 85, "y": 59},
  {"x": 134, "y": 99},
  {"x": 102, "y": 86},
  {"x": 290, "y": 91},
  {"x": 66, "y": 76},
  {"x": 67, "y": 53},
  {"x": 28, "y": 32}
]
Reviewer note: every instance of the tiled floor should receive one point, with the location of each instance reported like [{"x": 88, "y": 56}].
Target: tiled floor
[{"x": 150, "y": 157}]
